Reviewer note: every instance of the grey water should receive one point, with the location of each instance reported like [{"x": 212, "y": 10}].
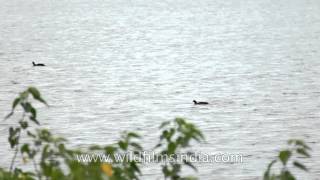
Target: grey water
[{"x": 117, "y": 65}]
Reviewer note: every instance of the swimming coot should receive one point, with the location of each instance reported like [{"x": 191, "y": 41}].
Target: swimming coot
[
  {"x": 38, "y": 64},
  {"x": 195, "y": 102}
]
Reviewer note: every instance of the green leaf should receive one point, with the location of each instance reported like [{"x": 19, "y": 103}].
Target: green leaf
[
  {"x": 11, "y": 131},
  {"x": 34, "y": 91},
  {"x": 13, "y": 136},
  {"x": 110, "y": 150},
  {"x": 27, "y": 106},
  {"x": 158, "y": 145},
  {"x": 61, "y": 148},
  {"x": 59, "y": 139},
  {"x": 165, "y": 135},
  {"x": 299, "y": 165},
  {"x": 95, "y": 147},
  {"x": 36, "y": 94},
  {"x": 303, "y": 152},
  {"x": 190, "y": 178},
  {"x": 34, "y": 120},
  {"x": 284, "y": 156},
  {"x": 176, "y": 169},
  {"x": 9, "y": 115},
  {"x": 23, "y": 124},
  {"x": 132, "y": 134},
  {"x": 33, "y": 112},
  {"x": 165, "y": 171},
  {"x": 25, "y": 148},
  {"x": 171, "y": 133},
  {"x": 199, "y": 134},
  {"x": 267, "y": 173},
  {"x": 15, "y": 103},
  {"x": 171, "y": 148},
  {"x": 123, "y": 145},
  {"x": 30, "y": 134},
  {"x": 135, "y": 167},
  {"x": 301, "y": 143},
  {"x": 286, "y": 175},
  {"x": 24, "y": 95},
  {"x": 180, "y": 121},
  {"x": 164, "y": 124},
  {"x": 189, "y": 164},
  {"x": 136, "y": 145}
]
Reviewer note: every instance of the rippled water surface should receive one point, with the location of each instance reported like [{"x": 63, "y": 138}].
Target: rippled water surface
[{"x": 131, "y": 64}]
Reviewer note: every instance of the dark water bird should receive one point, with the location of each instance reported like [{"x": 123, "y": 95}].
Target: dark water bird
[
  {"x": 37, "y": 64},
  {"x": 196, "y": 103}
]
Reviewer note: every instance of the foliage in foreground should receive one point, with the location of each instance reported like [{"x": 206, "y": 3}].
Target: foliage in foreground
[
  {"x": 51, "y": 158},
  {"x": 297, "y": 149}
]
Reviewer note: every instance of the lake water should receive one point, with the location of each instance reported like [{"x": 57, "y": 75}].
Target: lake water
[{"x": 117, "y": 65}]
